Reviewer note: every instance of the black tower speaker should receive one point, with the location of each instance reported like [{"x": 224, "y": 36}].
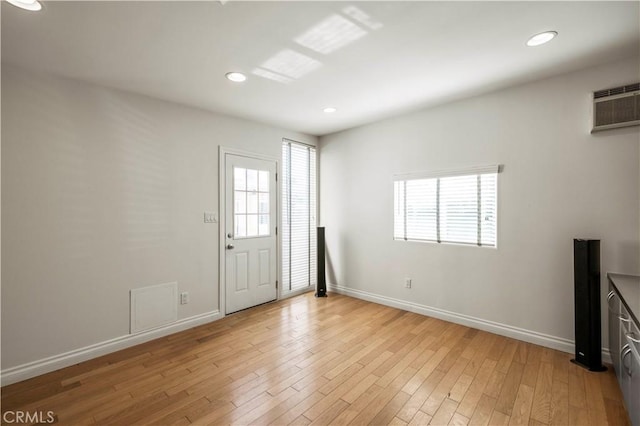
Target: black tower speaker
[
  {"x": 321, "y": 290},
  {"x": 586, "y": 270}
]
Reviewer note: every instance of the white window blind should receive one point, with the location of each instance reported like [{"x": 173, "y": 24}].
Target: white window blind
[
  {"x": 448, "y": 207},
  {"x": 298, "y": 216}
]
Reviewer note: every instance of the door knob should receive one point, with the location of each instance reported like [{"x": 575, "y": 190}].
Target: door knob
[{"x": 230, "y": 246}]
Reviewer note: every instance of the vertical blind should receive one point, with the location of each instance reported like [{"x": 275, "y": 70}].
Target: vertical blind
[
  {"x": 298, "y": 216},
  {"x": 456, "y": 207}
]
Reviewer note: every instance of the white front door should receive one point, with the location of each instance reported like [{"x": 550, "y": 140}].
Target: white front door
[{"x": 250, "y": 221}]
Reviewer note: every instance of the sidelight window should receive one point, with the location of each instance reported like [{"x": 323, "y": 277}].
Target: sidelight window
[{"x": 298, "y": 216}]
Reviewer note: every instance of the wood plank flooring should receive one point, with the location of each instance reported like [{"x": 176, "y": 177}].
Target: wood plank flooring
[{"x": 336, "y": 361}]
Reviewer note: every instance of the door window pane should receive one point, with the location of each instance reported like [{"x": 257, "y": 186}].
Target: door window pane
[
  {"x": 239, "y": 179},
  {"x": 240, "y": 198},
  {"x": 241, "y": 225},
  {"x": 252, "y": 180},
  {"x": 263, "y": 224},
  {"x": 263, "y": 203},
  {"x": 251, "y": 203},
  {"x": 252, "y": 225},
  {"x": 263, "y": 181}
]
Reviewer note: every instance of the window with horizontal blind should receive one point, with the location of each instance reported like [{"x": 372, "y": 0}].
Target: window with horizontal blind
[
  {"x": 447, "y": 207},
  {"x": 298, "y": 216}
]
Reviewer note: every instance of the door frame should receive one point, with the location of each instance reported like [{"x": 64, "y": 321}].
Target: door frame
[{"x": 222, "y": 218}]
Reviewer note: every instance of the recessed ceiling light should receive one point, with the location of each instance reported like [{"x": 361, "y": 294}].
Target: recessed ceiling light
[
  {"x": 32, "y": 5},
  {"x": 236, "y": 77},
  {"x": 541, "y": 38},
  {"x": 329, "y": 110}
]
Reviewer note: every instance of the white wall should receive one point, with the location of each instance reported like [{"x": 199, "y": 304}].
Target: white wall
[
  {"x": 104, "y": 191},
  {"x": 559, "y": 182}
]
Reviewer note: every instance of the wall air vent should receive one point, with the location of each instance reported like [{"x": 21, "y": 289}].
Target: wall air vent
[{"x": 617, "y": 107}]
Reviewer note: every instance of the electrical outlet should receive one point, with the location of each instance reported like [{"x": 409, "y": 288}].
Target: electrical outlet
[
  {"x": 407, "y": 283},
  {"x": 184, "y": 298}
]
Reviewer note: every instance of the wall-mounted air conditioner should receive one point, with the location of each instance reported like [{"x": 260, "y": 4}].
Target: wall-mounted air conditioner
[{"x": 617, "y": 107}]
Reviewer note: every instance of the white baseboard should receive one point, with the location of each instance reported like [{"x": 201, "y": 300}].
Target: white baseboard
[
  {"x": 56, "y": 362},
  {"x": 553, "y": 342}
]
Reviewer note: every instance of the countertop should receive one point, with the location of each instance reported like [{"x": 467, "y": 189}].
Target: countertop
[{"x": 628, "y": 287}]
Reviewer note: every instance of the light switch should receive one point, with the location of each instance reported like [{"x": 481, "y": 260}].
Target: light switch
[{"x": 210, "y": 217}]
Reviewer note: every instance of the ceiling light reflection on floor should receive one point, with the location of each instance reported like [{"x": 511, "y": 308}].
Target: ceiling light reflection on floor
[{"x": 331, "y": 34}]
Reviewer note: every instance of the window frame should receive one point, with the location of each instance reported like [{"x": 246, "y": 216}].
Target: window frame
[
  {"x": 288, "y": 288},
  {"x": 437, "y": 175},
  {"x": 246, "y": 213}
]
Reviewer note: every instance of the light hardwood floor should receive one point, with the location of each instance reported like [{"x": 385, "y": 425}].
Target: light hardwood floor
[{"x": 338, "y": 361}]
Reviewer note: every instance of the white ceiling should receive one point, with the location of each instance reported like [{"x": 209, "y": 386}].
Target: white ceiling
[{"x": 368, "y": 59}]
